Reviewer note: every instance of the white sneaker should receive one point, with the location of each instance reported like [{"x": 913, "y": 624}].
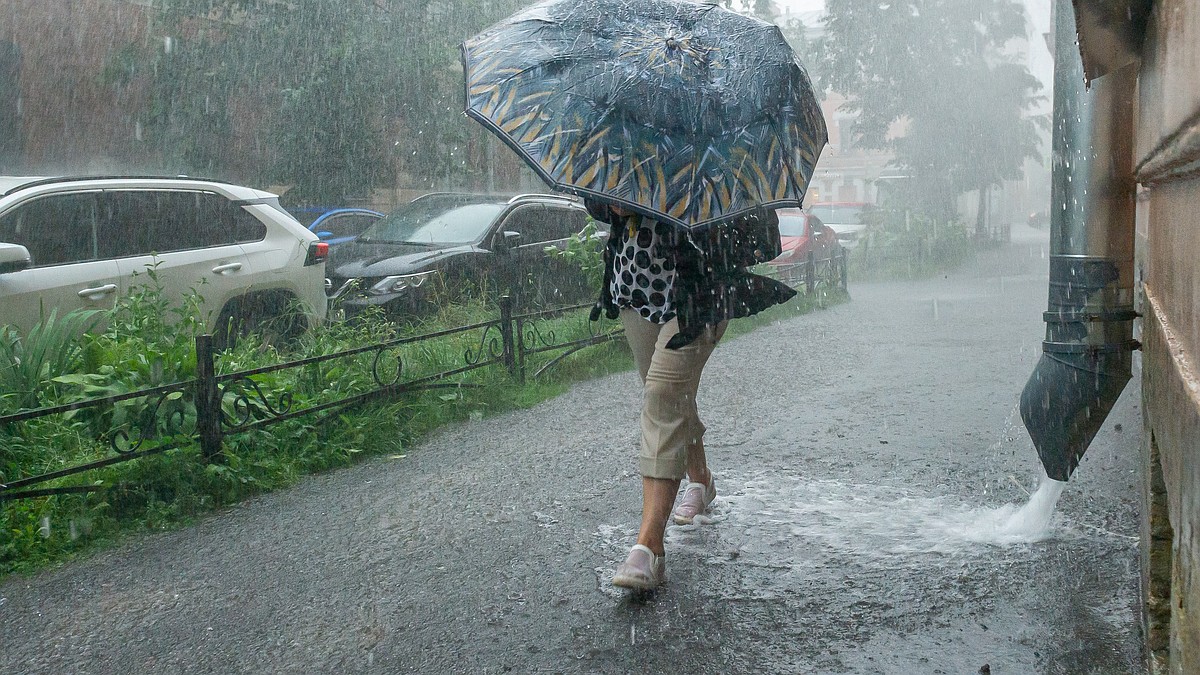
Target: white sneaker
[
  {"x": 641, "y": 569},
  {"x": 696, "y": 499}
]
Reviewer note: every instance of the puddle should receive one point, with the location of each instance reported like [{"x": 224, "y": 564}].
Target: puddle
[
  {"x": 790, "y": 524},
  {"x": 873, "y": 521}
]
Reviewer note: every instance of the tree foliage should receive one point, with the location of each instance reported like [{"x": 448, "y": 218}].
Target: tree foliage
[
  {"x": 330, "y": 97},
  {"x": 941, "y": 67}
]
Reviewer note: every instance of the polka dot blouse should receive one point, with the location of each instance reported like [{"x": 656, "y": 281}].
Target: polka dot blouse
[{"x": 644, "y": 270}]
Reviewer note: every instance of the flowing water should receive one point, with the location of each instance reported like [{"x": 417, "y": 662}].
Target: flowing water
[
  {"x": 1031, "y": 520},
  {"x": 872, "y": 520}
]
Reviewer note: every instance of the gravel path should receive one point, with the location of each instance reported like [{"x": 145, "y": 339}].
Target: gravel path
[{"x": 861, "y": 453}]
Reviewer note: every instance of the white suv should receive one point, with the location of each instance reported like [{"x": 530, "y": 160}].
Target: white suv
[{"x": 72, "y": 243}]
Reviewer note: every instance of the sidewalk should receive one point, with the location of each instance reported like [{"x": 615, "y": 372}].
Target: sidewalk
[{"x": 860, "y": 452}]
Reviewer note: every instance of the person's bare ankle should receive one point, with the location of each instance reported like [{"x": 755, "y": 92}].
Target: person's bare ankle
[{"x": 656, "y": 547}]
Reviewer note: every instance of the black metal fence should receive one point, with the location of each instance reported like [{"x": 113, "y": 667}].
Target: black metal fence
[
  {"x": 830, "y": 271},
  {"x": 213, "y": 406}
]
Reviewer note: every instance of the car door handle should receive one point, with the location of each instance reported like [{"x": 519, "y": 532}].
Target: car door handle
[
  {"x": 99, "y": 291},
  {"x": 227, "y": 267}
]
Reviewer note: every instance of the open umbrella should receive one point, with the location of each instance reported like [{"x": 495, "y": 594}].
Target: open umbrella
[{"x": 683, "y": 111}]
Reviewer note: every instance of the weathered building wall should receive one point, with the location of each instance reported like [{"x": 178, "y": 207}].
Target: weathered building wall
[{"x": 1168, "y": 160}]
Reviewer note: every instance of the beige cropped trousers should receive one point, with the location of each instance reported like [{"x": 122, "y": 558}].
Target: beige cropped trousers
[{"x": 671, "y": 427}]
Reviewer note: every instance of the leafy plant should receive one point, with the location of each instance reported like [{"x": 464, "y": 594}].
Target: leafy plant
[
  {"x": 30, "y": 363},
  {"x": 585, "y": 250}
]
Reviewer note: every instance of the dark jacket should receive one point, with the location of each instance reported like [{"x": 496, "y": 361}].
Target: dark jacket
[{"x": 712, "y": 283}]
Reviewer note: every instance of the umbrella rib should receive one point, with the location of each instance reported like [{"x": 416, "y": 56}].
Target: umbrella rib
[{"x": 791, "y": 170}]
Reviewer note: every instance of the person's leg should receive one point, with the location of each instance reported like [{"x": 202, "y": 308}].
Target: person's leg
[
  {"x": 697, "y": 462},
  {"x": 672, "y": 434},
  {"x": 701, "y": 488},
  {"x": 645, "y": 568},
  {"x": 658, "y": 496}
]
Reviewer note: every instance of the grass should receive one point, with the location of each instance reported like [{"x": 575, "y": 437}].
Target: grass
[{"x": 144, "y": 344}]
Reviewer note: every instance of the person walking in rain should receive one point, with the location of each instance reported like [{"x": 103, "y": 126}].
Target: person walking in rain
[
  {"x": 697, "y": 119},
  {"x": 675, "y": 294}
]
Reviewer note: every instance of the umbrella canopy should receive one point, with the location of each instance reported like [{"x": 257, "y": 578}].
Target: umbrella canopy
[{"x": 682, "y": 111}]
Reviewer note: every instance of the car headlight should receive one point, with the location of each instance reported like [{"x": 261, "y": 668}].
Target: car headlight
[{"x": 400, "y": 282}]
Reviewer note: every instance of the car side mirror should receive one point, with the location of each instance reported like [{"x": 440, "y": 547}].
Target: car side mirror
[
  {"x": 324, "y": 234},
  {"x": 14, "y": 258},
  {"x": 507, "y": 239}
]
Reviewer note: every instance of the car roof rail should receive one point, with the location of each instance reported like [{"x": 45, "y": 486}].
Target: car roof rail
[
  {"x": 68, "y": 179},
  {"x": 499, "y": 196},
  {"x": 509, "y": 199},
  {"x": 543, "y": 195}
]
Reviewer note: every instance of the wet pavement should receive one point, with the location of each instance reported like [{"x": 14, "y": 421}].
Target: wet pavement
[{"x": 864, "y": 455}]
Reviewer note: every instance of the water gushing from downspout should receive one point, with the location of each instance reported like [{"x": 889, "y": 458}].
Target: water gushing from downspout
[{"x": 1087, "y": 353}]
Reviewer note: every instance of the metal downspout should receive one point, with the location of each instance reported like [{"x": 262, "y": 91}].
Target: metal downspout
[{"x": 1087, "y": 353}]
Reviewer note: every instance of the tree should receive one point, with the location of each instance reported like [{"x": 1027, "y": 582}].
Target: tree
[
  {"x": 939, "y": 65},
  {"x": 330, "y": 97}
]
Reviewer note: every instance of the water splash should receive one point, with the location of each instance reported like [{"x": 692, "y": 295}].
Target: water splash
[
  {"x": 793, "y": 523},
  {"x": 879, "y": 521},
  {"x": 1032, "y": 520}
]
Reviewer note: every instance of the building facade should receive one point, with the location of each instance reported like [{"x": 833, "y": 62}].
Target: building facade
[
  {"x": 1167, "y": 166},
  {"x": 1152, "y": 48}
]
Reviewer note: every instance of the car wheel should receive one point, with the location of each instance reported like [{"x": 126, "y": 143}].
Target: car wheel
[{"x": 272, "y": 316}]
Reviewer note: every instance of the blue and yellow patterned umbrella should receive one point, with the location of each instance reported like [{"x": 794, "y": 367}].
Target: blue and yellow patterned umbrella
[{"x": 683, "y": 111}]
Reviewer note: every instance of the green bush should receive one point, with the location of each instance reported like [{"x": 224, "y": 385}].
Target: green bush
[
  {"x": 903, "y": 244},
  {"x": 585, "y": 250}
]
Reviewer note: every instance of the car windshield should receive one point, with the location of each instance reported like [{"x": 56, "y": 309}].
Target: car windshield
[
  {"x": 848, "y": 214},
  {"x": 436, "y": 220},
  {"x": 791, "y": 225}
]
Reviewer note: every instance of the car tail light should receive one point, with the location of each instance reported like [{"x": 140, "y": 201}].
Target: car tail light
[{"x": 318, "y": 251}]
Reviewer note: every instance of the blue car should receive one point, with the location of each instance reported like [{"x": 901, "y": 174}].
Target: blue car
[{"x": 335, "y": 226}]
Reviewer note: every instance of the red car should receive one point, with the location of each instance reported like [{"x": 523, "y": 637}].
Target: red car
[{"x": 802, "y": 232}]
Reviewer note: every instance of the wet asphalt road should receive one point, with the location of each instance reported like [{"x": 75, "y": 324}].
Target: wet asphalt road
[{"x": 859, "y": 451}]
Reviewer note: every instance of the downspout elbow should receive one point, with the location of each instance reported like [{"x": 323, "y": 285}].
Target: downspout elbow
[{"x": 1085, "y": 365}]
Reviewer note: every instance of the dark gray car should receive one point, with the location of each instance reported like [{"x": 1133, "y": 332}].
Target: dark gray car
[{"x": 446, "y": 246}]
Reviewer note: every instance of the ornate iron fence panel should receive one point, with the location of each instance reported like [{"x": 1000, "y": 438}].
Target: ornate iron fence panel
[
  {"x": 166, "y": 420},
  {"x": 213, "y": 406},
  {"x": 535, "y": 336}
]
